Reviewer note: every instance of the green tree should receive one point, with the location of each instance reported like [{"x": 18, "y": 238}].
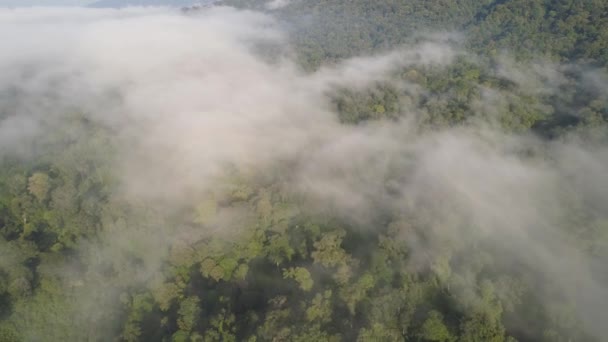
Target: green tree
[
  {"x": 189, "y": 313},
  {"x": 39, "y": 185},
  {"x": 433, "y": 328},
  {"x": 301, "y": 275}
]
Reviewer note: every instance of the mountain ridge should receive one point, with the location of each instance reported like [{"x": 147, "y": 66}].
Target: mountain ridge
[{"x": 127, "y": 3}]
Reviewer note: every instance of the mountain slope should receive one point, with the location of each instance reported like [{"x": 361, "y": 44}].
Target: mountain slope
[{"x": 126, "y": 3}]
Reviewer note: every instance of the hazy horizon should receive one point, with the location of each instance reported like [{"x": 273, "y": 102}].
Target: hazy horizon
[{"x": 30, "y": 3}]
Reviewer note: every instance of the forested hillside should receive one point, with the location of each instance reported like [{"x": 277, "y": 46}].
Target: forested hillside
[
  {"x": 306, "y": 170},
  {"x": 563, "y": 30}
]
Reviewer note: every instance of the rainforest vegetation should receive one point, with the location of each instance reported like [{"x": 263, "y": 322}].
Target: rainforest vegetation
[{"x": 485, "y": 218}]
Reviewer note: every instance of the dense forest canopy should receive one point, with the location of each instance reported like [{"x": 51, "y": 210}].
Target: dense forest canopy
[{"x": 294, "y": 170}]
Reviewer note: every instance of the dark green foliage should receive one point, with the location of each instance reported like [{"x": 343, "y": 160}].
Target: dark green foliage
[{"x": 285, "y": 273}]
